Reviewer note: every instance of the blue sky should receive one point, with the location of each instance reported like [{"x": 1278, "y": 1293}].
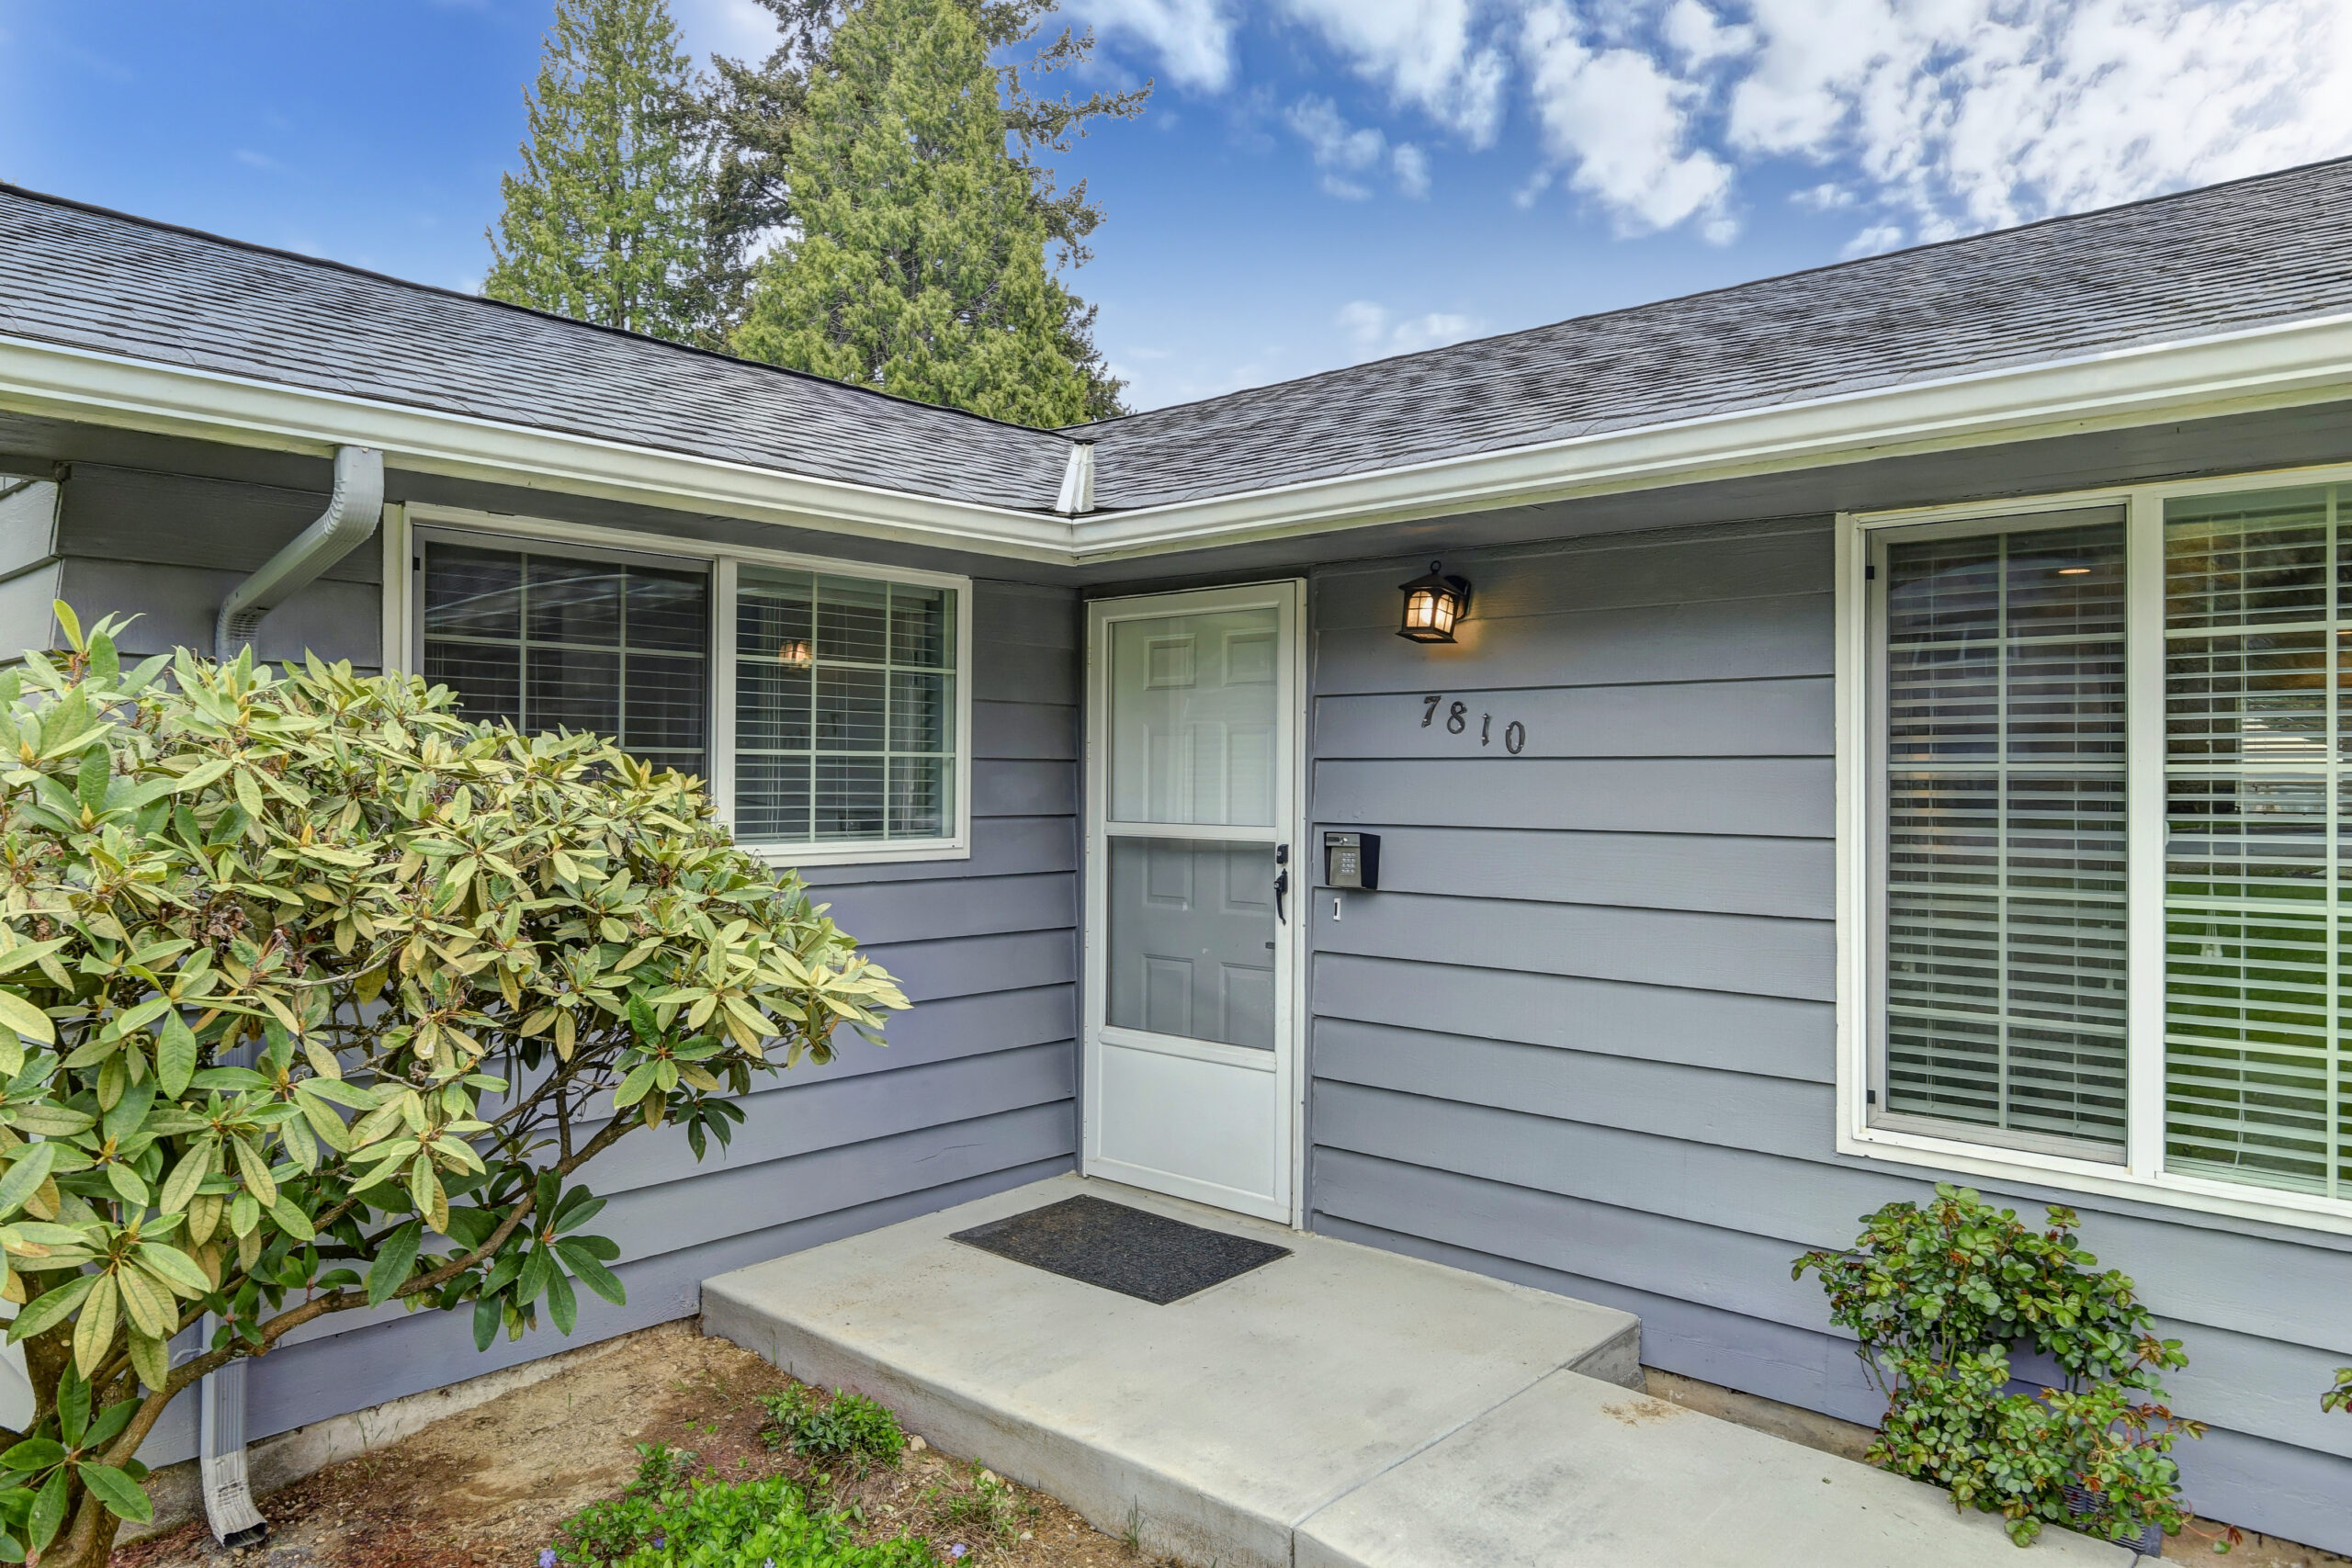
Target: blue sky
[{"x": 1316, "y": 181}]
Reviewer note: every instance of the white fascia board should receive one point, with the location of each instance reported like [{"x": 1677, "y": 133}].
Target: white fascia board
[
  {"x": 47, "y": 379},
  {"x": 2303, "y": 362},
  {"x": 2271, "y": 366}
]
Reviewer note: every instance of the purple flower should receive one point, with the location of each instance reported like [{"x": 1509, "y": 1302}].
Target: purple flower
[
  {"x": 547, "y": 1557},
  {"x": 958, "y": 1550}
]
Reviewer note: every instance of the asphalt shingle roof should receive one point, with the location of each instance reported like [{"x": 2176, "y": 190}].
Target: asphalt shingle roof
[
  {"x": 94, "y": 279},
  {"x": 2274, "y": 248}
]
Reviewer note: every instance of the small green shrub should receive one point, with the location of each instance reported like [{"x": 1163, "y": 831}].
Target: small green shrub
[
  {"x": 2340, "y": 1396},
  {"x": 1939, "y": 1297},
  {"x": 846, "y": 1426},
  {"x": 720, "y": 1525}
]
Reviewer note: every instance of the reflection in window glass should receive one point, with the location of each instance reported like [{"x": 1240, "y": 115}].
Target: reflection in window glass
[
  {"x": 552, "y": 642},
  {"x": 845, "y": 705}
]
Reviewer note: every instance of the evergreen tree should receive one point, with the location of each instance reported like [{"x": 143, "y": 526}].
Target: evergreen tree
[
  {"x": 755, "y": 110},
  {"x": 919, "y": 261},
  {"x": 609, "y": 220}
]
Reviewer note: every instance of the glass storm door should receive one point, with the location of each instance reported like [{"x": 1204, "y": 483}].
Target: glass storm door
[{"x": 1193, "y": 894}]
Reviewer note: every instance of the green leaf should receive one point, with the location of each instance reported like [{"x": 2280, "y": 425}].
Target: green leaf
[
  {"x": 563, "y": 1305},
  {"x": 47, "y": 1310},
  {"x": 72, "y": 1407},
  {"x": 487, "y": 1313},
  {"x": 293, "y": 1220},
  {"x": 180, "y": 1186},
  {"x": 592, "y": 1273},
  {"x": 49, "y": 1509},
  {"x": 175, "y": 1267},
  {"x": 94, "y": 1329},
  {"x": 26, "y": 1018},
  {"x": 536, "y": 1266},
  {"x": 25, "y": 1173},
  {"x": 174, "y": 1053},
  {"x": 634, "y": 1087},
  {"x": 33, "y": 1454},
  {"x": 123, "y": 1497},
  {"x": 393, "y": 1261}
]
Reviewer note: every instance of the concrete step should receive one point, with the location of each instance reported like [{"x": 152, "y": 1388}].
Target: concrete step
[
  {"x": 1343, "y": 1408},
  {"x": 1575, "y": 1473},
  {"x": 1215, "y": 1425}
]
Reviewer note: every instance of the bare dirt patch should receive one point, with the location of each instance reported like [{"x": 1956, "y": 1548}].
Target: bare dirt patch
[{"x": 487, "y": 1487}]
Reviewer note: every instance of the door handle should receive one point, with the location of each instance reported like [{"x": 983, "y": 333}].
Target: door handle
[{"x": 1282, "y": 880}]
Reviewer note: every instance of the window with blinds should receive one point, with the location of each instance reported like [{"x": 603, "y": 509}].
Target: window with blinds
[
  {"x": 551, "y": 641},
  {"x": 844, "y": 708},
  {"x": 2002, "y": 814},
  {"x": 2255, "y": 623}
]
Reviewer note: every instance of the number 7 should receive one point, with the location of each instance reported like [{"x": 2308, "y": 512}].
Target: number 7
[{"x": 1430, "y": 712}]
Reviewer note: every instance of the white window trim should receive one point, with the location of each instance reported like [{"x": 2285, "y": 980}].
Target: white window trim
[
  {"x": 404, "y": 635},
  {"x": 2141, "y": 1176}
]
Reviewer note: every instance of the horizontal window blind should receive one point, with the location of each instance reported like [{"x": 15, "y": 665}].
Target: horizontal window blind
[
  {"x": 2003, "y": 819},
  {"x": 2255, "y": 628},
  {"x": 549, "y": 641}
]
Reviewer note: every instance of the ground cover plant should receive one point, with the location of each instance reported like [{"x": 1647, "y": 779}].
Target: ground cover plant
[
  {"x": 1941, "y": 1297},
  {"x": 313, "y": 996}
]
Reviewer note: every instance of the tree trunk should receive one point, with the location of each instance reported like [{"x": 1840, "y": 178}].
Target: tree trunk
[{"x": 85, "y": 1543}]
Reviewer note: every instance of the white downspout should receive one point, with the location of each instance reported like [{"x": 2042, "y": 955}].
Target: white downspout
[
  {"x": 353, "y": 511},
  {"x": 349, "y": 520}
]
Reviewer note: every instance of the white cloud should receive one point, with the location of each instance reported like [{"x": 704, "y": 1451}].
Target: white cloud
[
  {"x": 1973, "y": 114},
  {"x": 1412, "y": 167},
  {"x": 1699, "y": 35},
  {"x": 1349, "y": 154},
  {"x": 1622, "y": 125},
  {"x": 1375, "y": 331},
  {"x": 1828, "y": 196},
  {"x": 1876, "y": 240},
  {"x": 1424, "y": 51},
  {"x": 253, "y": 160},
  {"x": 1193, "y": 39}
]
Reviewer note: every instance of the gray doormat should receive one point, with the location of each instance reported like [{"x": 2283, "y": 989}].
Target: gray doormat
[{"x": 1132, "y": 1251}]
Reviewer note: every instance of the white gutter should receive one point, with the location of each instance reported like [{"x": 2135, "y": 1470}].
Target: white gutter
[
  {"x": 221, "y": 1452},
  {"x": 349, "y": 521},
  {"x": 2269, "y": 366}
]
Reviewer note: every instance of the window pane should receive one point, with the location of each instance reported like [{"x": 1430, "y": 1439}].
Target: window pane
[
  {"x": 917, "y": 797},
  {"x": 921, "y": 629},
  {"x": 2005, "y": 834},
  {"x": 772, "y": 800},
  {"x": 2255, "y": 1081},
  {"x": 574, "y": 602},
  {"x": 849, "y": 797},
  {"x": 478, "y": 592},
  {"x": 666, "y": 706},
  {"x": 850, "y": 708},
  {"x": 572, "y": 688},
  {"x": 919, "y": 711},
  {"x": 852, "y": 616}
]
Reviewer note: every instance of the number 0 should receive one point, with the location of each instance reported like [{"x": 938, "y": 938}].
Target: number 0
[{"x": 1514, "y": 737}]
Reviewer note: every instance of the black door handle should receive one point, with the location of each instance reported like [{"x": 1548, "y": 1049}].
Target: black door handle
[{"x": 1282, "y": 880}]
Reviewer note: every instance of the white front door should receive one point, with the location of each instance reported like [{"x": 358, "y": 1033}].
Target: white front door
[{"x": 1194, "y": 880}]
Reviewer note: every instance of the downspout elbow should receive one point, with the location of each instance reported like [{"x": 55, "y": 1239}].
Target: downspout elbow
[{"x": 349, "y": 521}]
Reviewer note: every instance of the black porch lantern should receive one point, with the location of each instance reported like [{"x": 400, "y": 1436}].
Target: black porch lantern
[{"x": 1432, "y": 605}]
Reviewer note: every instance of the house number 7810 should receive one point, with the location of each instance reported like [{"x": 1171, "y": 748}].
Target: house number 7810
[{"x": 1457, "y": 721}]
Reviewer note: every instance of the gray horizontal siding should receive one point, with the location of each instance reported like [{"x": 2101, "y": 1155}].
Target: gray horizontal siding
[{"x": 1584, "y": 1037}]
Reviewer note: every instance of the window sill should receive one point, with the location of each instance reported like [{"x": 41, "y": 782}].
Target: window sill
[
  {"x": 870, "y": 853},
  {"x": 1981, "y": 1162}
]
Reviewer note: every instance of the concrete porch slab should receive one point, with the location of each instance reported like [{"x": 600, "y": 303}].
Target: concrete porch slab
[
  {"x": 1343, "y": 1408},
  {"x": 1575, "y": 1473},
  {"x": 1215, "y": 1425}
]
